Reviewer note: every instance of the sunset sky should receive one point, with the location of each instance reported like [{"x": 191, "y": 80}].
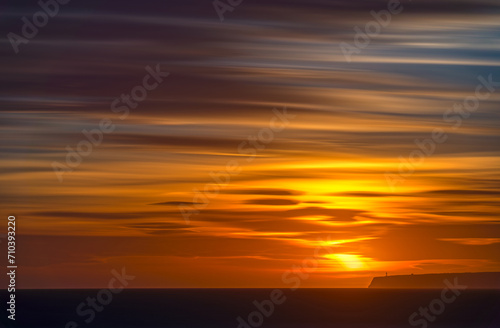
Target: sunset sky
[{"x": 322, "y": 180}]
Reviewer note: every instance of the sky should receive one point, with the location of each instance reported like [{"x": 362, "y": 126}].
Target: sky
[{"x": 262, "y": 144}]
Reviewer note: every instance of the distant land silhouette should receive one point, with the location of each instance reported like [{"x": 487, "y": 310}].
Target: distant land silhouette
[{"x": 473, "y": 280}]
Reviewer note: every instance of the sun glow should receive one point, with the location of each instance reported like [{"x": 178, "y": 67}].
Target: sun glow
[{"x": 350, "y": 261}]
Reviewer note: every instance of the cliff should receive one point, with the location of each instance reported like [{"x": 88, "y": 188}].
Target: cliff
[{"x": 477, "y": 280}]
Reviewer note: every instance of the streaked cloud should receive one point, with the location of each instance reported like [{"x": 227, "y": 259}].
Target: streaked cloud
[{"x": 319, "y": 182}]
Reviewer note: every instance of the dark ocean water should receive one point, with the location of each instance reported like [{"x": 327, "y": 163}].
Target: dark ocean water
[{"x": 304, "y": 308}]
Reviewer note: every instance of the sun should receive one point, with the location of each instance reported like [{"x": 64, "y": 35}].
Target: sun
[{"x": 350, "y": 261}]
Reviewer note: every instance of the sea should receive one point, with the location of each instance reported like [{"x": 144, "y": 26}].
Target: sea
[{"x": 244, "y": 308}]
